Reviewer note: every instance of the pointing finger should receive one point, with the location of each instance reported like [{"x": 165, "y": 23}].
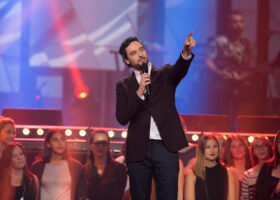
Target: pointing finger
[{"x": 190, "y": 35}]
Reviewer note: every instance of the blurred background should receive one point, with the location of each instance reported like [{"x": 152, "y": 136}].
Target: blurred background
[{"x": 63, "y": 55}]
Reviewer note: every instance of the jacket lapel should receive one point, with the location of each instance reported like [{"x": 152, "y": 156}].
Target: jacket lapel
[{"x": 133, "y": 82}]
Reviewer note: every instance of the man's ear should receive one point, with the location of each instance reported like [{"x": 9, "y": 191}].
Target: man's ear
[{"x": 127, "y": 61}]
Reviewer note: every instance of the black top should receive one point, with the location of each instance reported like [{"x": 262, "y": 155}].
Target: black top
[
  {"x": 27, "y": 190},
  {"x": 18, "y": 191},
  {"x": 273, "y": 184},
  {"x": 215, "y": 187},
  {"x": 266, "y": 183},
  {"x": 109, "y": 186}
]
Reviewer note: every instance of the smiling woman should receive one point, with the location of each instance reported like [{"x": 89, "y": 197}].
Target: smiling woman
[
  {"x": 261, "y": 151},
  {"x": 16, "y": 181},
  {"x": 237, "y": 155}
]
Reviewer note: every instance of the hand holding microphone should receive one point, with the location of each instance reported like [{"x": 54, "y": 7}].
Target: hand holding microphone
[{"x": 144, "y": 82}]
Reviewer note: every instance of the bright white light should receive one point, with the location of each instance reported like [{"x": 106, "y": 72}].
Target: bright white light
[
  {"x": 124, "y": 134},
  {"x": 195, "y": 137},
  {"x": 111, "y": 134},
  {"x": 250, "y": 139},
  {"x": 26, "y": 131},
  {"x": 82, "y": 133},
  {"x": 40, "y": 131},
  {"x": 68, "y": 132}
]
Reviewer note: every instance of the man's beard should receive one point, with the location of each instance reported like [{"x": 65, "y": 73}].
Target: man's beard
[{"x": 139, "y": 66}]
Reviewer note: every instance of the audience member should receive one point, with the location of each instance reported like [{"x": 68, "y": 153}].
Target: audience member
[
  {"x": 237, "y": 155},
  {"x": 209, "y": 179},
  {"x": 121, "y": 159},
  {"x": 7, "y": 133},
  {"x": 16, "y": 181},
  {"x": 58, "y": 173},
  {"x": 261, "y": 150},
  {"x": 269, "y": 176},
  {"x": 102, "y": 178}
]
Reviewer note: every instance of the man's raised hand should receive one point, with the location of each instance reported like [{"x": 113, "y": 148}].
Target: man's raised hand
[{"x": 188, "y": 45}]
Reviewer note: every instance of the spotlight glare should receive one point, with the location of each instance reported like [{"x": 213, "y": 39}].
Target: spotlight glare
[
  {"x": 83, "y": 95},
  {"x": 26, "y": 131},
  {"x": 82, "y": 92},
  {"x": 124, "y": 134},
  {"x": 225, "y": 137},
  {"x": 266, "y": 137},
  {"x": 82, "y": 133},
  {"x": 195, "y": 137},
  {"x": 68, "y": 132},
  {"x": 250, "y": 139},
  {"x": 40, "y": 131},
  {"x": 111, "y": 134}
]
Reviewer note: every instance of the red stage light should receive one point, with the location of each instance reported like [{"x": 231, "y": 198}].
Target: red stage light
[{"x": 82, "y": 93}]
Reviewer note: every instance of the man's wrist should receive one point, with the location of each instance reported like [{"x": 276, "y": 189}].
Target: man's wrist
[
  {"x": 140, "y": 95},
  {"x": 186, "y": 55}
]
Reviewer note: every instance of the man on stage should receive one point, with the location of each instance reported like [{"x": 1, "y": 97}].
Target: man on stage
[{"x": 146, "y": 100}]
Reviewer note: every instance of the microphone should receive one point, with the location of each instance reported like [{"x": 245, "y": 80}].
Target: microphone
[{"x": 144, "y": 68}]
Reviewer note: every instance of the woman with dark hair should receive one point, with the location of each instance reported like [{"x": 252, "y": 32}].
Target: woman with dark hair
[
  {"x": 209, "y": 179},
  {"x": 16, "y": 181},
  {"x": 58, "y": 173},
  {"x": 7, "y": 133},
  {"x": 102, "y": 178},
  {"x": 267, "y": 186},
  {"x": 261, "y": 150},
  {"x": 237, "y": 155}
]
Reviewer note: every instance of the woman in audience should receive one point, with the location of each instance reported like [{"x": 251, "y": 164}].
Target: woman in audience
[
  {"x": 222, "y": 144},
  {"x": 7, "y": 133},
  {"x": 221, "y": 141},
  {"x": 209, "y": 179},
  {"x": 261, "y": 150},
  {"x": 102, "y": 178},
  {"x": 58, "y": 173},
  {"x": 16, "y": 181},
  {"x": 269, "y": 177},
  {"x": 237, "y": 155}
]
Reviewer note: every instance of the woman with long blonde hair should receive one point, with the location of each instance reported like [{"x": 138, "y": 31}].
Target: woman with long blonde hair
[{"x": 209, "y": 179}]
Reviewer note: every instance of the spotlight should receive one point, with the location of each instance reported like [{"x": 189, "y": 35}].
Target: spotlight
[
  {"x": 195, "y": 137},
  {"x": 225, "y": 137},
  {"x": 124, "y": 134},
  {"x": 40, "y": 131},
  {"x": 266, "y": 137},
  {"x": 111, "y": 134},
  {"x": 82, "y": 133},
  {"x": 26, "y": 131},
  {"x": 68, "y": 132},
  {"x": 82, "y": 92},
  {"x": 250, "y": 139}
]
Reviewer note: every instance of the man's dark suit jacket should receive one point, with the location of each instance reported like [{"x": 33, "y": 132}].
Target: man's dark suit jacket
[{"x": 161, "y": 105}]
